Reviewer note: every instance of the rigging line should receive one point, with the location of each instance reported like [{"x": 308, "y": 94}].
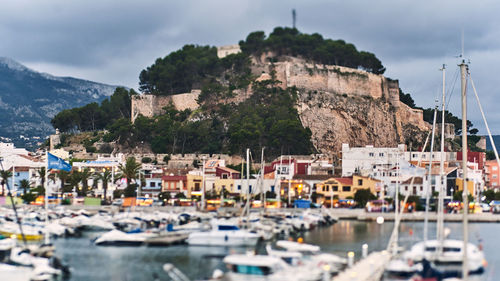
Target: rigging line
[
  {"x": 484, "y": 119},
  {"x": 451, "y": 89}
]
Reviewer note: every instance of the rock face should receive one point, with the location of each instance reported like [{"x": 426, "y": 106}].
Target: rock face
[
  {"x": 335, "y": 119},
  {"x": 338, "y": 104},
  {"x": 344, "y": 105}
]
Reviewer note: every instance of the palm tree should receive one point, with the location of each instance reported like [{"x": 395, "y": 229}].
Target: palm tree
[
  {"x": 5, "y": 175},
  {"x": 105, "y": 178},
  {"x": 25, "y": 185},
  {"x": 63, "y": 177},
  {"x": 41, "y": 174},
  {"x": 73, "y": 181},
  {"x": 85, "y": 175},
  {"x": 129, "y": 170}
]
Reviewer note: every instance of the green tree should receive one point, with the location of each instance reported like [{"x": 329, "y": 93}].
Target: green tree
[
  {"x": 41, "y": 174},
  {"x": 129, "y": 170},
  {"x": 25, "y": 185},
  {"x": 85, "y": 175},
  {"x": 63, "y": 177},
  {"x": 5, "y": 175},
  {"x": 362, "y": 196},
  {"x": 105, "y": 178}
]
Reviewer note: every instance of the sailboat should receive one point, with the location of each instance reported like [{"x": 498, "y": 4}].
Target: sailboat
[{"x": 448, "y": 257}]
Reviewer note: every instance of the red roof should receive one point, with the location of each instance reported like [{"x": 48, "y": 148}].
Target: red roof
[
  {"x": 344, "y": 181},
  {"x": 174, "y": 178}
]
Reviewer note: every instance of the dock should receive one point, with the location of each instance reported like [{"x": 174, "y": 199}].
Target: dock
[{"x": 370, "y": 268}]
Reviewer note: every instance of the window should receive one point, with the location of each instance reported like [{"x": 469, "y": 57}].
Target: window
[
  {"x": 335, "y": 188},
  {"x": 381, "y": 154},
  {"x": 421, "y": 188},
  {"x": 225, "y": 176},
  {"x": 196, "y": 186},
  {"x": 346, "y": 188},
  {"x": 406, "y": 188},
  {"x": 272, "y": 188},
  {"x": 152, "y": 184},
  {"x": 239, "y": 186},
  {"x": 327, "y": 188},
  {"x": 360, "y": 182},
  {"x": 494, "y": 168},
  {"x": 249, "y": 189},
  {"x": 371, "y": 154},
  {"x": 494, "y": 176}
]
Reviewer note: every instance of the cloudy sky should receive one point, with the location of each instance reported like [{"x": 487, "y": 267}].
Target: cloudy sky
[{"x": 112, "y": 41}]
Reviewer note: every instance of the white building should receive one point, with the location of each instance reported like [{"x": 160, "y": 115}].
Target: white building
[{"x": 364, "y": 160}]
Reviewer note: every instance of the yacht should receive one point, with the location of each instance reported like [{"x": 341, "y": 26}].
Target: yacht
[
  {"x": 223, "y": 233},
  {"x": 451, "y": 258},
  {"x": 261, "y": 267}
]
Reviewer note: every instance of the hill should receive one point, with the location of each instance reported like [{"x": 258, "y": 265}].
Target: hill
[
  {"x": 290, "y": 92},
  {"x": 30, "y": 99}
]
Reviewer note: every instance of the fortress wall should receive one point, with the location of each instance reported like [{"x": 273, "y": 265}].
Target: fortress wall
[{"x": 337, "y": 79}]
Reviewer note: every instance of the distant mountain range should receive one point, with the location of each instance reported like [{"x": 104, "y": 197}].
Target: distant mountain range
[
  {"x": 496, "y": 139},
  {"x": 29, "y": 99}
]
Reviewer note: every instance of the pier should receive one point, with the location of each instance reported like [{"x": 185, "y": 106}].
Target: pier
[{"x": 370, "y": 268}]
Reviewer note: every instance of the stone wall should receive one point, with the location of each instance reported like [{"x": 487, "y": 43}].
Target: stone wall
[
  {"x": 151, "y": 105},
  {"x": 336, "y": 79},
  {"x": 223, "y": 51}
]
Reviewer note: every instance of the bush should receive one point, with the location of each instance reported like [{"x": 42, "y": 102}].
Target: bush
[
  {"x": 106, "y": 148},
  {"x": 146, "y": 160}
]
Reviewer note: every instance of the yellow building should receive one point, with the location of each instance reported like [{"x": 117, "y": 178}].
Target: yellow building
[
  {"x": 460, "y": 186},
  {"x": 342, "y": 188},
  {"x": 227, "y": 184}
]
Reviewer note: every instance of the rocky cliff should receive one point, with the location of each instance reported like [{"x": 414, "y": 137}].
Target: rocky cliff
[
  {"x": 345, "y": 105},
  {"x": 338, "y": 104}
]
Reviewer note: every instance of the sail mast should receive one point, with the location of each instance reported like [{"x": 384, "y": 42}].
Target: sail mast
[
  {"x": 463, "y": 72},
  {"x": 442, "y": 185},
  {"x": 429, "y": 180}
]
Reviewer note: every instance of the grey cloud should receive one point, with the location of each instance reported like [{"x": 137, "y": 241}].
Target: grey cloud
[{"x": 112, "y": 41}]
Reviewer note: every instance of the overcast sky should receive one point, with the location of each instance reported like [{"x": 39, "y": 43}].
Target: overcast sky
[{"x": 111, "y": 41}]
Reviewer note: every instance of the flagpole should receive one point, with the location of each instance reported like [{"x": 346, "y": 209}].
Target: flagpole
[{"x": 46, "y": 198}]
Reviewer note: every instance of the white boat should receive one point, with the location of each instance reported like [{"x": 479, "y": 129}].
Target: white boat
[
  {"x": 120, "y": 238},
  {"x": 451, "y": 257},
  {"x": 260, "y": 267},
  {"x": 223, "y": 234},
  {"x": 307, "y": 254}
]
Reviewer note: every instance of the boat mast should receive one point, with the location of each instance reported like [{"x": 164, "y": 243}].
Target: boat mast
[
  {"x": 442, "y": 185},
  {"x": 429, "y": 180},
  {"x": 262, "y": 193},
  {"x": 463, "y": 72},
  {"x": 248, "y": 181}
]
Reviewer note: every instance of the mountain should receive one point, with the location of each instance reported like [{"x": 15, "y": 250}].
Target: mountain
[
  {"x": 496, "y": 139},
  {"x": 29, "y": 99}
]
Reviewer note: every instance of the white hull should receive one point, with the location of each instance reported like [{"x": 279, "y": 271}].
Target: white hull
[{"x": 223, "y": 238}]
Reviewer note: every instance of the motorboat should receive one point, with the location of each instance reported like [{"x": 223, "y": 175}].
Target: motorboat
[
  {"x": 451, "y": 256},
  {"x": 223, "y": 233},
  {"x": 296, "y": 253},
  {"x": 264, "y": 267},
  {"x": 120, "y": 238}
]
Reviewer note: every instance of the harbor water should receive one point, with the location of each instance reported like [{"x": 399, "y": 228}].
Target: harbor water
[{"x": 110, "y": 263}]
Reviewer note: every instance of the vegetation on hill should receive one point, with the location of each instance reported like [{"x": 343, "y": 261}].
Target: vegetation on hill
[
  {"x": 198, "y": 67},
  {"x": 93, "y": 116},
  {"x": 290, "y": 42}
]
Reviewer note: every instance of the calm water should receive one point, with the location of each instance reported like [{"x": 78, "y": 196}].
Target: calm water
[{"x": 89, "y": 262}]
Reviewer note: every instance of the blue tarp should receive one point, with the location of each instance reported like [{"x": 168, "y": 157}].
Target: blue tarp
[{"x": 300, "y": 203}]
